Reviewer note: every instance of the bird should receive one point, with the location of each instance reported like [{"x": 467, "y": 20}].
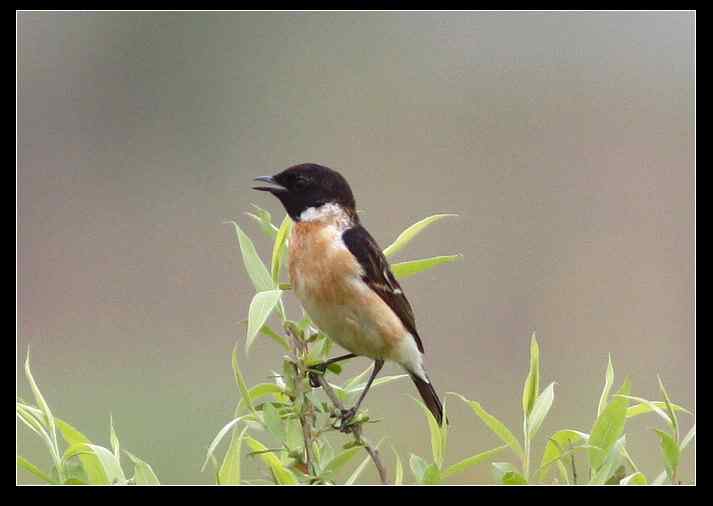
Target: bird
[{"x": 344, "y": 282}]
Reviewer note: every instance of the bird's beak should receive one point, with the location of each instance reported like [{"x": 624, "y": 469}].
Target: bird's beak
[{"x": 276, "y": 188}]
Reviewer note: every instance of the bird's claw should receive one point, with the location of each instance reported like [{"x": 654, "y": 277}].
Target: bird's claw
[{"x": 346, "y": 417}]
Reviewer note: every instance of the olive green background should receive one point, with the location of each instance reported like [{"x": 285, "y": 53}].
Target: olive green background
[{"x": 565, "y": 142}]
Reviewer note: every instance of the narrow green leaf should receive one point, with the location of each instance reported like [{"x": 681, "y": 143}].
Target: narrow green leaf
[
  {"x": 531, "y": 389},
  {"x": 404, "y": 270},
  {"x": 339, "y": 461},
  {"x": 114, "y": 439},
  {"x": 33, "y": 423},
  {"x": 637, "y": 478},
  {"x": 229, "y": 472},
  {"x": 670, "y": 451},
  {"x": 279, "y": 249},
  {"x": 540, "y": 408},
  {"x": 471, "y": 461},
  {"x": 90, "y": 462},
  {"x": 660, "y": 478},
  {"x": 399, "y": 473},
  {"x": 240, "y": 381},
  {"x": 495, "y": 425},
  {"x": 407, "y": 235},
  {"x": 610, "y": 462},
  {"x": 30, "y": 467},
  {"x": 649, "y": 406},
  {"x": 689, "y": 437},
  {"x": 273, "y": 422},
  {"x": 608, "y": 382},
  {"x": 259, "y": 275},
  {"x": 261, "y": 306},
  {"x": 377, "y": 382},
  {"x": 609, "y": 426},
  {"x": 432, "y": 475},
  {"x": 110, "y": 466},
  {"x": 562, "y": 444},
  {"x": 437, "y": 448},
  {"x": 507, "y": 474},
  {"x": 418, "y": 467},
  {"x": 282, "y": 475},
  {"x": 360, "y": 468},
  {"x": 669, "y": 409},
  {"x": 143, "y": 473},
  {"x": 219, "y": 437},
  {"x": 264, "y": 219},
  {"x": 47, "y": 417}
]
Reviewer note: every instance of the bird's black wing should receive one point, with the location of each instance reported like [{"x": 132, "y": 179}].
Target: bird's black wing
[{"x": 379, "y": 277}]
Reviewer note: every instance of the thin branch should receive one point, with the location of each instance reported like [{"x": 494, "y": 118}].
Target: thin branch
[{"x": 355, "y": 430}]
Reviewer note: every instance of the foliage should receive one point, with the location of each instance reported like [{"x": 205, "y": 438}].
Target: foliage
[{"x": 286, "y": 426}]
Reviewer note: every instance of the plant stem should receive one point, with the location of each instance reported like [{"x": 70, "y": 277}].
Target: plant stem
[{"x": 356, "y": 431}]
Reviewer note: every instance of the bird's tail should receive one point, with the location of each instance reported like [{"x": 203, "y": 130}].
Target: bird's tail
[{"x": 429, "y": 396}]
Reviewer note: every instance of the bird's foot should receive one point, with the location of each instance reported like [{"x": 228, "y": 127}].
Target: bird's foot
[
  {"x": 314, "y": 374},
  {"x": 346, "y": 416}
]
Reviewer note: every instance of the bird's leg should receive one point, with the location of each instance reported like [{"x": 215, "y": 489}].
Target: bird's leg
[
  {"x": 323, "y": 367},
  {"x": 348, "y": 414}
]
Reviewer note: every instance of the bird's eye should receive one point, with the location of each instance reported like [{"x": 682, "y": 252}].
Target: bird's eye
[{"x": 300, "y": 183}]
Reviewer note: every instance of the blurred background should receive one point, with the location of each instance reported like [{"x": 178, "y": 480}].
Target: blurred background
[{"x": 565, "y": 142}]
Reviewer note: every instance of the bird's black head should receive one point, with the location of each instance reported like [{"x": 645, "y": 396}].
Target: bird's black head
[{"x": 309, "y": 185}]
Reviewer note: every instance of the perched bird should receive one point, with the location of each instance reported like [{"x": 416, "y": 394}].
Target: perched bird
[{"x": 340, "y": 275}]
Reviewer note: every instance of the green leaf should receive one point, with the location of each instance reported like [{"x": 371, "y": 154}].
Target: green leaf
[
  {"x": 259, "y": 275},
  {"x": 32, "y": 421},
  {"x": 229, "y": 472},
  {"x": 399, "y": 473},
  {"x": 636, "y": 478},
  {"x": 649, "y": 406},
  {"x": 47, "y": 418},
  {"x": 378, "y": 382},
  {"x": 660, "y": 478},
  {"x": 260, "y": 308},
  {"x": 507, "y": 474},
  {"x": 531, "y": 388},
  {"x": 30, "y": 467},
  {"x": 609, "y": 426},
  {"x": 418, "y": 467},
  {"x": 111, "y": 471},
  {"x": 669, "y": 409},
  {"x": 279, "y": 249},
  {"x": 407, "y": 235},
  {"x": 540, "y": 408},
  {"x": 360, "y": 468},
  {"x": 264, "y": 219},
  {"x": 219, "y": 437},
  {"x": 282, "y": 475},
  {"x": 556, "y": 447},
  {"x": 90, "y": 462},
  {"x": 404, "y": 270},
  {"x": 670, "y": 451},
  {"x": 610, "y": 462},
  {"x": 273, "y": 422},
  {"x": 143, "y": 473},
  {"x": 339, "y": 461},
  {"x": 471, "y": 461},
  {"x": 495, "y": 425},
  {"x": 114, "y": 439},
  {"x": 432, "y": 475},
  {"x": 240, "y": 381},
  {"x": 437, "y": 446},
  {"x": 608, "y": 382},
  {"x": 688, "y": 438}
]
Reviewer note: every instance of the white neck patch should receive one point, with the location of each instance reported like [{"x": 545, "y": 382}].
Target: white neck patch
[{"x": 327, "y": 213}]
